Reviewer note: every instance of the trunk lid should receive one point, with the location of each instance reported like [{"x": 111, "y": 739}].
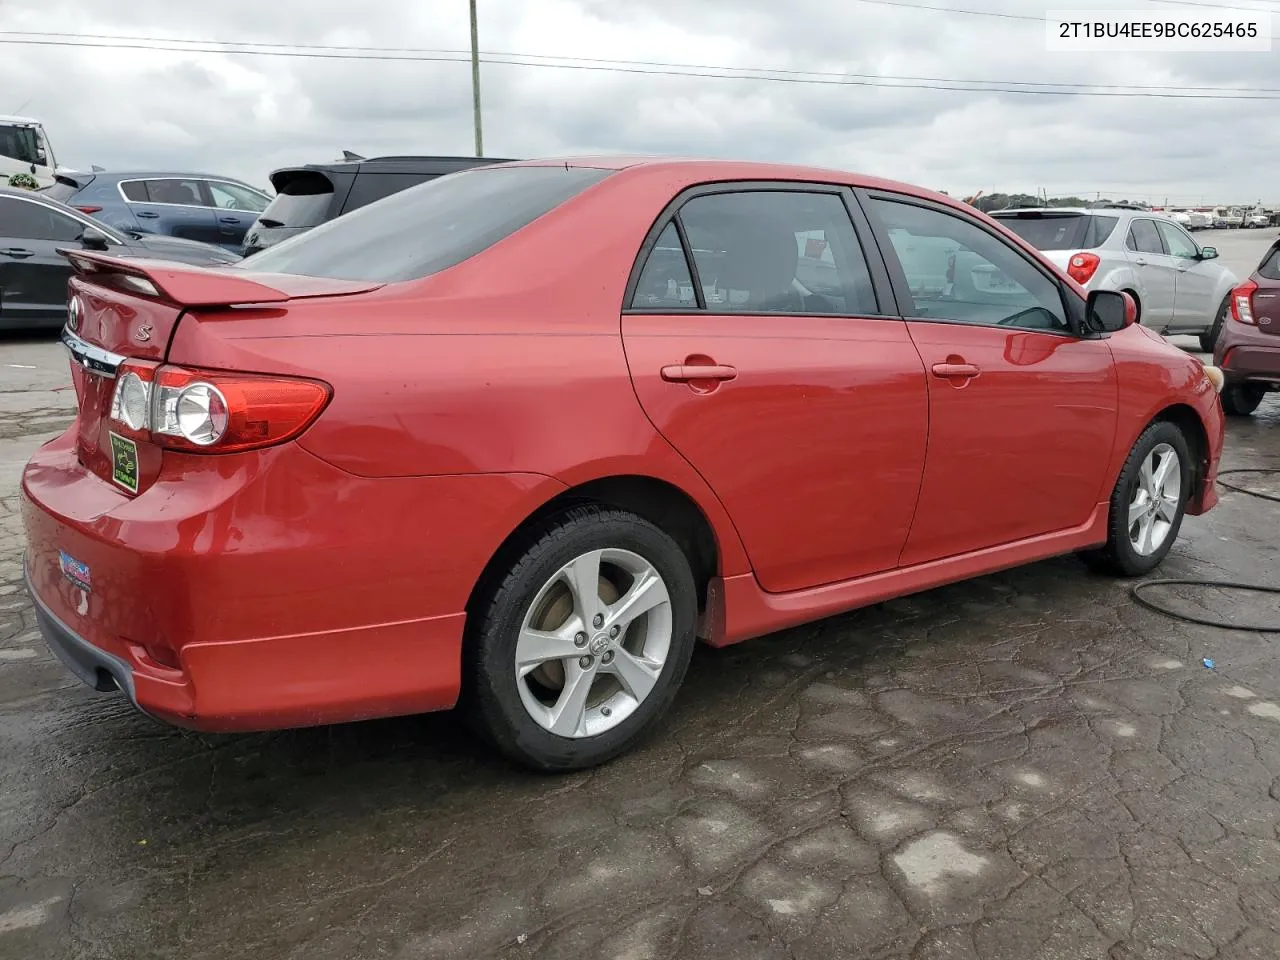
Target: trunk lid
[{"x": 121, "y": 311}]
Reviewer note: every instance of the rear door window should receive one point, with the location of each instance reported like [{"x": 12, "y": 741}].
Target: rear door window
[
  {"x": 778, "y": 251},
  {"x": 434, "y": 226},
  {"x": 1144, "y": 237},
  {"x": 374, "y": 186}
]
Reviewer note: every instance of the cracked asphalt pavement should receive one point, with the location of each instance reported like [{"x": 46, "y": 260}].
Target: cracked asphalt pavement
[{"x": 1026, "y": 766}]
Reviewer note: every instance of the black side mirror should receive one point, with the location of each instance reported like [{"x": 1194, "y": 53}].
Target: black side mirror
[
  {"x": 93, "y": 239},
  {"x": 1108, "y": 311},
  {"x": 1208, "y": 253}
]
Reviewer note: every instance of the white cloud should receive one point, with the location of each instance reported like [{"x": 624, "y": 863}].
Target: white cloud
[{"x": 245, "y": 115}]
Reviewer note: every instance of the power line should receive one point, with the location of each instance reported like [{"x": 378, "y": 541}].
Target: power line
[
  {"x": 289, "y": 46},
  {"x": 887, "y": 82}
]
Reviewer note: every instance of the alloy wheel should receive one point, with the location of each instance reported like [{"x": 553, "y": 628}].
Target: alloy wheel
[{"x": 1155, "y": 500}]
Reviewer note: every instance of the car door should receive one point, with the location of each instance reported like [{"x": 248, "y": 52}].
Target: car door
[
  {"x": 804, "y": 408},
  {"x": 33, "y": 276},
  {"x": 236, "y": 208},
  {"x": 172, "y": 207},
  {"x": 1022, "y": 411},
  {"x": 1156, "y": 272},
  {"x": 1195, "y": 280}
]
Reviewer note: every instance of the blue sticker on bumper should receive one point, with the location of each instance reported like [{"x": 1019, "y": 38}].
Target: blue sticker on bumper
[{"x": 75, "y": 571}]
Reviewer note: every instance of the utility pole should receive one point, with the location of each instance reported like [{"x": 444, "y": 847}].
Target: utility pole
[{"x": 475, "y": 81}]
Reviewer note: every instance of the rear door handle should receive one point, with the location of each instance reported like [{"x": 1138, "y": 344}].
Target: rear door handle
[
  {"x": 147, "y": 215},
  {"x": 955, "y": 370},
  {"x": 229, "y": 219},
  {"x": 1140, "y": 262},
  {"x": 685, "y": 372},
  {"x": 18, "y": 253}
]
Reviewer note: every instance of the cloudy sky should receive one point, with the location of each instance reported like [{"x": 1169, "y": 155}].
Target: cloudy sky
[{"x": 243, "y": 115}]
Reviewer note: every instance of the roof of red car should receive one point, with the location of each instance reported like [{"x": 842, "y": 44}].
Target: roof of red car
[{"x": 739, "y": 170}]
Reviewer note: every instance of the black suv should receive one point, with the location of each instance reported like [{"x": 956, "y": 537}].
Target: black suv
[{"x": 310, "y": 195}]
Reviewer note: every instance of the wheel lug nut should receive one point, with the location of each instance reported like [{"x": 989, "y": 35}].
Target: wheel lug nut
[
  {"x": 585, "y": 662},
  {"x": 608, "y": 657},
  {"x": 614, "y": 631},
  {"x": 606, "y": 712},
  {"x": 580, "y": 640},
  {"x": 599, "y": 620}
]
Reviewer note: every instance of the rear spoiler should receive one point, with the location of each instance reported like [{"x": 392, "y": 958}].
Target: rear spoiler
[
  {"x": 183, "y": 285},
  {"x": 187, "y": 285}
]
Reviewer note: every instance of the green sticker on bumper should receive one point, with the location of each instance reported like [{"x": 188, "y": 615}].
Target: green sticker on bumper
[{"x": 124, "y": 462}]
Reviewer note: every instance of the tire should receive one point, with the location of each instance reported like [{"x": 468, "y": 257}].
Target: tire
[
  {"x": 1241, "y": 399},
  {"x": 1121, "y": 557},
  {"x": 519, "y": 709},
  {"x": 1209, "y": 339}
]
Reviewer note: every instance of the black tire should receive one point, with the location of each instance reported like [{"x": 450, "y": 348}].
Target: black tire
[
  {"x": 1241, "y": 399},
  {"x": 1119, "y": 557},
  {"x": 1209, "y": 339},
  {"x": 491, "y": 696}
]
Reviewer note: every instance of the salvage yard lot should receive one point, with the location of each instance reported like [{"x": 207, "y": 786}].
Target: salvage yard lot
[{"x": 1024, "y": 766}]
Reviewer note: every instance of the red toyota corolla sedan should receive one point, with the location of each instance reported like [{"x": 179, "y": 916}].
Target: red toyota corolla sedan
[{"x": 517, "y": 437}]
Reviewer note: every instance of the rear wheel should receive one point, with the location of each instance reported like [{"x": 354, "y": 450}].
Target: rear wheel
[
  {"x": 1241, "y": 399},
  {"x": 1147, "y": 504},
  {"x": 581, "y": 646},
  {"x": 1209, "y": 339}
]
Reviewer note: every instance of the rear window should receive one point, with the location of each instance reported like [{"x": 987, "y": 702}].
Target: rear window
[
  {"x": 1270, "y": 267},
  {"x": 374, "y": 186},
  {"x": 427, "y": 228},
  {"x": 300, "y": 201},
  {"x": 1080, "y": 231}
]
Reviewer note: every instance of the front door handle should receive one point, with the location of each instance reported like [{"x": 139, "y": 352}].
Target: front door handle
[
  {"x": 18, "y": 253},
  {"x": 1140, "y": 262},
  {"x": 954, "y": 371},
  {"x": 686, "y": 372},
  {"x": 147, "y": 215},
  {"x": 229, "y": 219}
]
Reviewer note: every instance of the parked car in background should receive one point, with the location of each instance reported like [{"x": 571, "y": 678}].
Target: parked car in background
[
  {"x": 1249, "y": 349},
  {"x": 1257, "y": 220},
  {"x": 24, "y": 148},
  {"x": 312, "y": 194},
  {"x": 1179, "y": 287},
  {"x": 513, "y": 407},
  {"x": 33, "y": 275},
  {"x": 191, "y": 206},
  {"x": 1199, "y": 221}
]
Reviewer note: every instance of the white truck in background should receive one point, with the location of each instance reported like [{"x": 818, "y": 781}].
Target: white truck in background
[{"x": 24, "y": 148}]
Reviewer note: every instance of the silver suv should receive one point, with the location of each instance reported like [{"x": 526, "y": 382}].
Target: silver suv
[{"x": 1178, "y": 286}]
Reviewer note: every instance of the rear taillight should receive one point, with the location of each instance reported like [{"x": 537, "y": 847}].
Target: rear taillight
[
  {"x": 212, "y": 412},
  {"x": 1242, "y": 303},
  {"x": 1082, "y": 266},
  {"x": 89, "y": 209}
]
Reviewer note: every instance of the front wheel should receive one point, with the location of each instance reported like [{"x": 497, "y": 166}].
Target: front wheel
[
  {"x": 581, "y": 646},
  {"x": 1147, "y": 504},
  {"x": 1209, "y": 339},
  {"x": 1241, "y": 399}
]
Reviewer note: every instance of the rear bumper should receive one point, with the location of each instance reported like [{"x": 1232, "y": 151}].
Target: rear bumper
[
  {"x": 261, "y": 591},
  {"x": 1247, "y": 354}
]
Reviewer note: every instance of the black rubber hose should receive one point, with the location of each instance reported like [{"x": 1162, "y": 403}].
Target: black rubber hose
[
  {"x": 1136, "y": 592},
  {"x": 1252, "y": 493}
]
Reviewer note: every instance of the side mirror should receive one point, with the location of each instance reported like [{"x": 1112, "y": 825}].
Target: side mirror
[
  {"x": 1208, "y": 253},
  {"x": 93, "y": 239},
  {"x": 1108, "y": 311}
]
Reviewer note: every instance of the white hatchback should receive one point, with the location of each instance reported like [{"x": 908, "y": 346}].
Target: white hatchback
[{"x": 1179, "y": 286}]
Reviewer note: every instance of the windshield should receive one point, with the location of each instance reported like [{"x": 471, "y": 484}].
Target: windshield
[
  {"x": 1073, "y": 231},
  {"x": 427, "y": 228}
]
